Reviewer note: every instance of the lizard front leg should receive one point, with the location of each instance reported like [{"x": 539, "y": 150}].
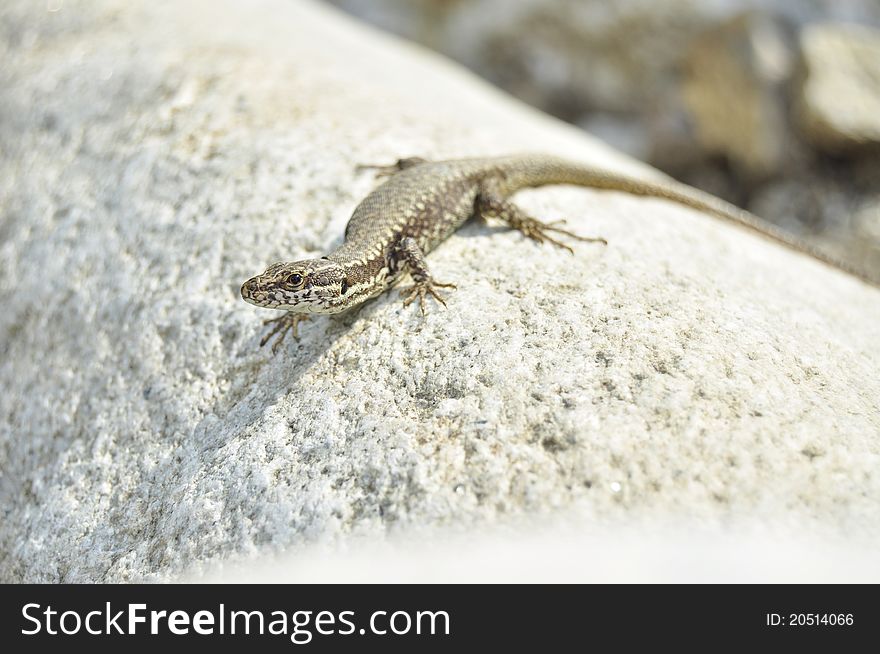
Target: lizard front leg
[
  {"x": 386, "y": 171},
  {"x": 490, "y": 204},
  {"x": 287, "y": 322},
  {"x": 411, "y": 254}
]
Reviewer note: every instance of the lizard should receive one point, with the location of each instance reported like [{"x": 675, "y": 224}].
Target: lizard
[{"x": 423, "y": 202}]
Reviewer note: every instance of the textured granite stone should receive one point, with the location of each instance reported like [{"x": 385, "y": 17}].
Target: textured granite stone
[{"x": 153, "y": 155}]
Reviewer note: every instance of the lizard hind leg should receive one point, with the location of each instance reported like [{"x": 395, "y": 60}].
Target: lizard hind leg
[
  {"x": 490, "y": 205},
  {"x": 423, "y": 284}
]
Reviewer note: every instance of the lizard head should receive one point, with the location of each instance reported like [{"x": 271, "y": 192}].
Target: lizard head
[{"x": 310, "y": 286}]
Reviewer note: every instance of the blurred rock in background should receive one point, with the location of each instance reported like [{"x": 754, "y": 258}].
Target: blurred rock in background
[{"x": 773, "y": 105}]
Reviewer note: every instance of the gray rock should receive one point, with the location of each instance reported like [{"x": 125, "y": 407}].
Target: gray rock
[
  {"x": 839, "y": 92},
  {"x": 152, "y": 160},
  {"x": 733, "y": 87}
]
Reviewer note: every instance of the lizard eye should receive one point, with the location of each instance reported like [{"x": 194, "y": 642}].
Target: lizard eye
[{"x": 294, "y": 280}]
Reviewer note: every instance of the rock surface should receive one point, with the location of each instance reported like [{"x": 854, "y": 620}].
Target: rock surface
[{"x": 152, "y": 160}]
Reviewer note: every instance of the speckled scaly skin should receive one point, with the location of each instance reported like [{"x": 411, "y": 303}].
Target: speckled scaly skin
[{"x": 424, "y": 202}]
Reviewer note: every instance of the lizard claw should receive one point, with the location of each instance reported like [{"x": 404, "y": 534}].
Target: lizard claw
[
  {"x": 396, "y": 167},
  {"x": 489, "y": 204},
  {"x": 285, "y": 323},
  {"x": 537, "y": 231},
  {"x": 421, "y": 290}
]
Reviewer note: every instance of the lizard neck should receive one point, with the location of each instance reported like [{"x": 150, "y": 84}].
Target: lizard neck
[{"x": 366, "y": 274}]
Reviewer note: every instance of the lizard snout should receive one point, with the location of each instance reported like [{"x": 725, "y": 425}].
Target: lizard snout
[{"x": 249, "y": 289}]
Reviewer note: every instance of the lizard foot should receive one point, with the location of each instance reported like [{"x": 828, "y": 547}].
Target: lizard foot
[
  {"x": 387, "y": 171},
  {"x": 284, "y": 323},
  {"x": 493, "y": 205},
  {"x": 421, "y": 290},
  {"x": 537, "y": 231}
]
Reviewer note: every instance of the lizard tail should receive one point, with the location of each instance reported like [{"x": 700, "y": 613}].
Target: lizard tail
[{"x": 540, "y": 171}]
